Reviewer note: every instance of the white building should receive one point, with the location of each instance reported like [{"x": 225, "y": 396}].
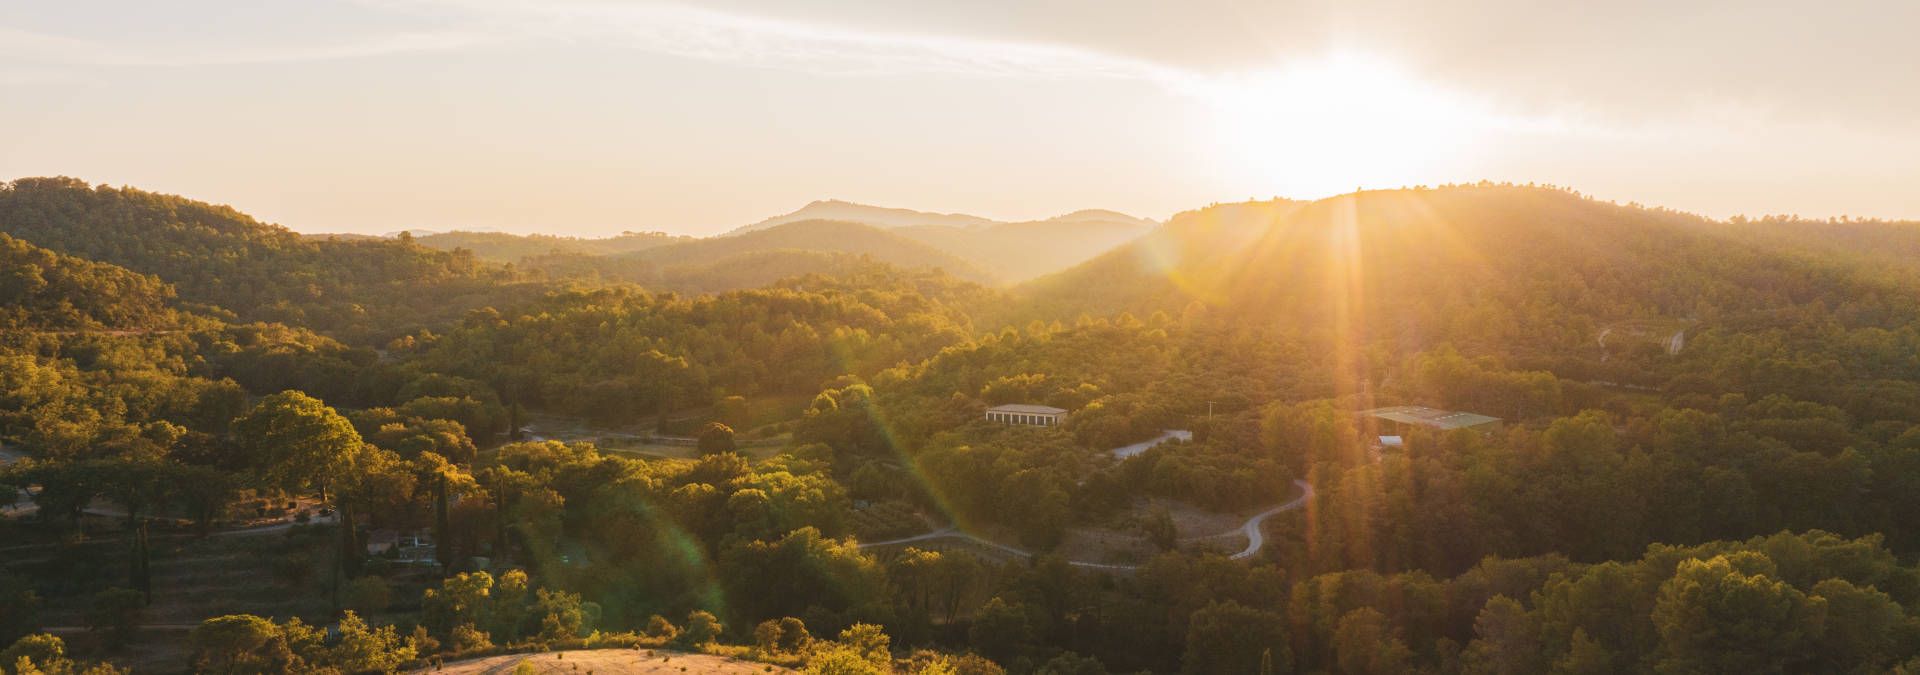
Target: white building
[{"x": 1031, "y": 415}]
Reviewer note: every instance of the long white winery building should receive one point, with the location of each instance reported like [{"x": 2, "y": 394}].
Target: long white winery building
[{"x": 1031, "y": 415}]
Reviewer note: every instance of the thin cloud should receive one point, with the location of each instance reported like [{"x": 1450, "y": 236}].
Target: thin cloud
[
  {"x": 22, "y": 47},
  {"x": 696, "y": 33}
]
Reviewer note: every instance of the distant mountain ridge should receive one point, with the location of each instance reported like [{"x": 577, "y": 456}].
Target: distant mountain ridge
[
  {"x": 971, "y": 247},
  {"x": 1009, "y": 251},
  {"x": 891, "y": 217},
  {"x": 877, "y": 216}
]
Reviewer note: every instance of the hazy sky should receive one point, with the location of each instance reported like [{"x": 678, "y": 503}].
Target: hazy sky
[{"x": 591, "y": 117}]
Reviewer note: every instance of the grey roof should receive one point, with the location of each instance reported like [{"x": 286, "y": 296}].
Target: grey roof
[
  {"x": 1431, "y": 418},
  {"x": 1026, "y": 409}
]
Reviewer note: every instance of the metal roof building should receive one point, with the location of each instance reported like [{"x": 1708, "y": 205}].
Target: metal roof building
[
  {"x": 1429, "y": 418},
  {"x": 1032, "y": 415}
]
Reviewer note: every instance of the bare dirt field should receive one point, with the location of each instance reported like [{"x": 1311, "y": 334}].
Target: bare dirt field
[{"x": 607, "y": 661}]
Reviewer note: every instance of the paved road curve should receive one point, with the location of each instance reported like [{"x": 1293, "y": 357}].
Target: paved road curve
[
  {"x": 1256, "y": 538},
  {"x": 1126, "y": 451}
]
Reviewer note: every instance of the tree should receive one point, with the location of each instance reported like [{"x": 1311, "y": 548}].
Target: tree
[
  {"x": 442, "y": 529},
  {"x": 1227, "y": 637},
  {"x": 862, "y": 649},
  {"x": 115, "y": 613},
  {"x": 1365, "y": 644},
  {"x": 19, "y": 608},
  {"x": 43, "y": 654},
  {"x": 1861, "y": 625},
  {"x": 841, "y": 660},
  {"x": 39, "y": 649},
  {"x": 703, "y": 628},
  {"x": 786, "y": 635},
  {"x": 562, "y": 615},
  {"x": 1727, "y": 615},
  {"x": 1160, "y": 529},
  {"x": 1069, "y": 663},
  {"x": 716, "y": 438},
  {"x": 1508, "y": 640},
  {"x": 363, "y": 648},
  {"x": 140, "y": 576},
  {"x": 1586, "y": 656},
  {"x": 294, "y": 442},
  {"x": 793, "y": 635},
  {"x": 659, "y": 628},
  {"x": 203, "y": 491},
  {"x": 461, "y": 600},
  {"x": 770, "y": 579},
  {"x": 1000, "y": 630},
  {"x": 868, "y": 640},
  {"x": 228, "y": 643}
]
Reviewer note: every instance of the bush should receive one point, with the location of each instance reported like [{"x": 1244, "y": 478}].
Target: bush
[
  {"x": 467, "y": 638},
  {"x": 782, "y": 636},
  {"x": 703, "y": 628},
  {"x": 793, "y": 635},
  {"x": 716, "y": 438},
  {"x": 659, "y": 628}
]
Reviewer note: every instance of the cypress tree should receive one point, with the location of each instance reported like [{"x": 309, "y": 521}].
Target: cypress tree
[
  {"x": 140, "y": 572},
  {"x": 442, "y": 548}
]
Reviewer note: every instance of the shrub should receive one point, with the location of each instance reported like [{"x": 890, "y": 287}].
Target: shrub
[
  {"x": 703, "y": 628},
  {"x": 659, "y": 628}
]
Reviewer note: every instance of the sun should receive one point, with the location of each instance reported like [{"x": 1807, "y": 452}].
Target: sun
[{"x": 1326, "y": 126}]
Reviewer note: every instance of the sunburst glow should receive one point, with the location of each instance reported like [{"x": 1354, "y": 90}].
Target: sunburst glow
[{"x": 1321, "y": 127}]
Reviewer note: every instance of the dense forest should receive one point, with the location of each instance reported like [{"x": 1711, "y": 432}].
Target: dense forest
[{"x": 1708, "y": 459}]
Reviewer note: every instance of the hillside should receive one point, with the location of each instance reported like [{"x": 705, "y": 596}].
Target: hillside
[
  {"x": 1162, "y": 270},
  {"x": 44, "y": 290},
  {"x": 361, "y": 290},
  {"x": 1020, "y": 251},
  {"x": 1532, "y": 276},
  {"x": 760, "y": 257},
  {"x": 501, "y": 247},
  {"x": 1009, "y": 251}
]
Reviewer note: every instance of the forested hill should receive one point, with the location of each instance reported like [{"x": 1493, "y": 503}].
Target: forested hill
[
  {"x": 825, "y": 235},
  {"x": 361, "y": 290},
  {"x": 501, "y": 247},
  {"x": 1516, "y": 267},
  {"x": 618, "y": 354},
  {"x": 760, "y": 257},
  {"x": 1165, "y": 269},
  {"x": 48, "y": 291},
  {"x": 1019, "y": 251}
]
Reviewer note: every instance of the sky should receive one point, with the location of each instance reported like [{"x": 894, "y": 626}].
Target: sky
[{"x": 592, "y": 117}]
